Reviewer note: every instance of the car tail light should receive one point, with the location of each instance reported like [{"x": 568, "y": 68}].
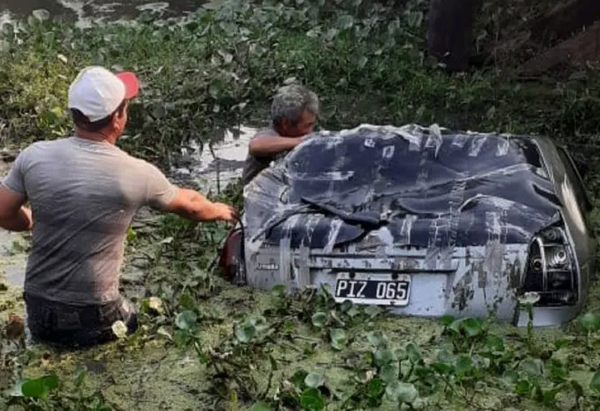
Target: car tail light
[{"x": 551, "y": 271}]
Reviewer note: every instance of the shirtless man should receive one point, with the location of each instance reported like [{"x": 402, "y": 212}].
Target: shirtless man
[
  {"x": 294, "y": 112},
  {"x": 84, "y": 193}
]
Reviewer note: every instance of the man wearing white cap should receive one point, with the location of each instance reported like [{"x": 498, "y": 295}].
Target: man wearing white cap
[{"x": 84, "y": 192}]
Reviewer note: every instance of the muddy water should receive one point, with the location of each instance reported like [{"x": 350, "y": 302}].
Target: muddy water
[
  {"x": 84, "y": 12},
  {"x": 213, "y": 169},
  {"x": 12, "y": 257}
]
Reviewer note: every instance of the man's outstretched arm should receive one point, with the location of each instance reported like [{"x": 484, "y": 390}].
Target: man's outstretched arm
[
  {"x": 186, "y": 203},
  {"x": 193, "y": 206},
  {"x": 13, "y": 215},
  {"x": 267, "y": 144}
]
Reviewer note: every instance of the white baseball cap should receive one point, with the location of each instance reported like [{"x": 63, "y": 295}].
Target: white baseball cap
[{"x": 97, "y": 92}]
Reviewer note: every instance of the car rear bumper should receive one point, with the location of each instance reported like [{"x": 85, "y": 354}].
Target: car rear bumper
[{"x": 469, "y": 282}]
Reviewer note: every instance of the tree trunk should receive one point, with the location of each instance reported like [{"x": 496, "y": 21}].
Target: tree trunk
[
  {"x": 450, "y": 32},
  {"x": 565, "y": 20},
  {"x": 579, "y": 49}
]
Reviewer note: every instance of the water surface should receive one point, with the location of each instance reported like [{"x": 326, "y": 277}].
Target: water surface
[{"x": 84, "y": 12}]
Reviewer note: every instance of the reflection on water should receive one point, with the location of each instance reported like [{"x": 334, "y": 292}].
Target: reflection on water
[
  {"x": 213, "y": 169},
  {"x": 12, "y": 264},
  {"x": 85, "y": 12}
]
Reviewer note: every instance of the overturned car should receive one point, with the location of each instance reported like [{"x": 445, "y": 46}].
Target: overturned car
[{"x": 425, "y": 221}]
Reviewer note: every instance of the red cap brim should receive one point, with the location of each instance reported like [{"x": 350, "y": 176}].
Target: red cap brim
[{"x": 132, "y": 85}]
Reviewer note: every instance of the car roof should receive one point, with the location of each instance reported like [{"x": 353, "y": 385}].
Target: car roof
[{"x": 432, "y": 173}]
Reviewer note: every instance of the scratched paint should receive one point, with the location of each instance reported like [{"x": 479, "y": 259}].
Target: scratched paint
[{"x": 457, "y": 210}]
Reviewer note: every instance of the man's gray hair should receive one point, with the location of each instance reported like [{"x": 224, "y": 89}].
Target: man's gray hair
[{"x": 291, "y": 101}]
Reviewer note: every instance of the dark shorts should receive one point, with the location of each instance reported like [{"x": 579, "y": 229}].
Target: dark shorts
[{"x": 77, "y": 326}]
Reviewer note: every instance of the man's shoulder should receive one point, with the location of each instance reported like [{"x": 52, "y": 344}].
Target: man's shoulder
[
  {"x": 40, "y": 147},
  {"x": 145, "y": 168}
]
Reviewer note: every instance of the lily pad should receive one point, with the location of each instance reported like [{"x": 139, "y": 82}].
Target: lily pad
[
  {"x": 314, "y": 380},
  {"x": 404, "y": 393}
]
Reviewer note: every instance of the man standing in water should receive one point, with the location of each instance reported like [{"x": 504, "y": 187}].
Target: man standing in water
[
  {"x": 84, "y": 192},
  {"x": 294, "y": 112}
]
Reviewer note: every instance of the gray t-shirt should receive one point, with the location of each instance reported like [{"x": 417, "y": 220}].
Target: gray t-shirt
[
  {"x": 254, "y": 164},
  {"x": 83, "y": 196}
]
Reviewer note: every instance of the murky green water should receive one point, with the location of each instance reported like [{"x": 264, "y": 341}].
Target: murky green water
[{"x": 84, "y": 12}]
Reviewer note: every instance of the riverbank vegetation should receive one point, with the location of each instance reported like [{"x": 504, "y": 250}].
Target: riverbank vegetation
[{"x": 205, "y": 344}]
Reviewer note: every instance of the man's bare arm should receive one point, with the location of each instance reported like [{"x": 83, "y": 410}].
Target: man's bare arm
[
  {"x": 13, "y": 215},
  {"x": 193, "y": 206},
  {"x": 264, "y": 145}
]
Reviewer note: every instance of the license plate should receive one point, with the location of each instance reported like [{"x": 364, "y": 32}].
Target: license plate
[{"x": 380, "y": 289}]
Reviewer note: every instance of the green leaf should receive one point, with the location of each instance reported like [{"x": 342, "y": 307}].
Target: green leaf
[
  {"x": 298, "y": 379},
  {"x": 353, "y": 311},
  {"x": 401, "y": 354},
  {"x": 181, "y": 338},
  {"x": 40, "y": 387},
  {"x": 557, "y": 371},
  {"x": 259, "y": 322},
  {"x": 447, "y": 320},
  {"x": 383, "y": 357},
  {"x": 279, "y": 290},
  {"x": 413, "y": 352},
  {"x": 314, "y": 380},
  {"x": 245, "y": 332},
  {"x": 312, "y": 400},
  {"x": 532, "y": 367},
  {"x": 563, "y": 342},
  {"x": 319, "y": 319},
  {"x": 345, "y": 21},
  {"x": 494, "y": 343},
  {"x": 338, "y": 338},
  {"x": 472, "y": 327},
  {"x": 404, "y": 393},
  {"x": 523, "y": 387},
  {"x": 415, "y": 18},
  {"x": 373, "y": 311},
  {"x": 375, "y": 388},
  {"x": 186, "y": 320},
  {"x": 389, "y": 373},
  {"x": 442, "y": 368},
  {"x": 510, "y": 376},
  {"x": 214, "y": 90},
  {"x": 549, "y": 396},
  {"x": 362, "y": 62},
  {"x": 481, "y": 362},
  {"x": 261, "y": 406},
  {"x": 590, "y": 322},
  {"x": 79, "y": 375},
  {"x": 456, "y": 325},
  {"x": 346, "y": 306},
  {"x": 595, "y": 383},
  {"x": 192, "y": 26},
  {"x": 463, "y": 366},
  {"x": 444, "y": 356},
  {"x": 377, "y": 338},
  {"x": 187, "y": 302}
]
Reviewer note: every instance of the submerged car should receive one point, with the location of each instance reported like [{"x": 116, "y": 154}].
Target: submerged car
[{"x": 426, "y": 221}]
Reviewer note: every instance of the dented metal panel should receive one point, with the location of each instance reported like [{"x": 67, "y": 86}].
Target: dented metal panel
[{"x": 457, "y": 210}]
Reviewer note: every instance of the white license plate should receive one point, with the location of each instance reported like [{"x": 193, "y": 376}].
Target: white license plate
[{"x": 380, "y": 289}]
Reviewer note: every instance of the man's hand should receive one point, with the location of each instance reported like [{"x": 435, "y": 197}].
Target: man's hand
[
  {"x": 193, "y": 206},
  {"x": 225, "y": 212}
]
